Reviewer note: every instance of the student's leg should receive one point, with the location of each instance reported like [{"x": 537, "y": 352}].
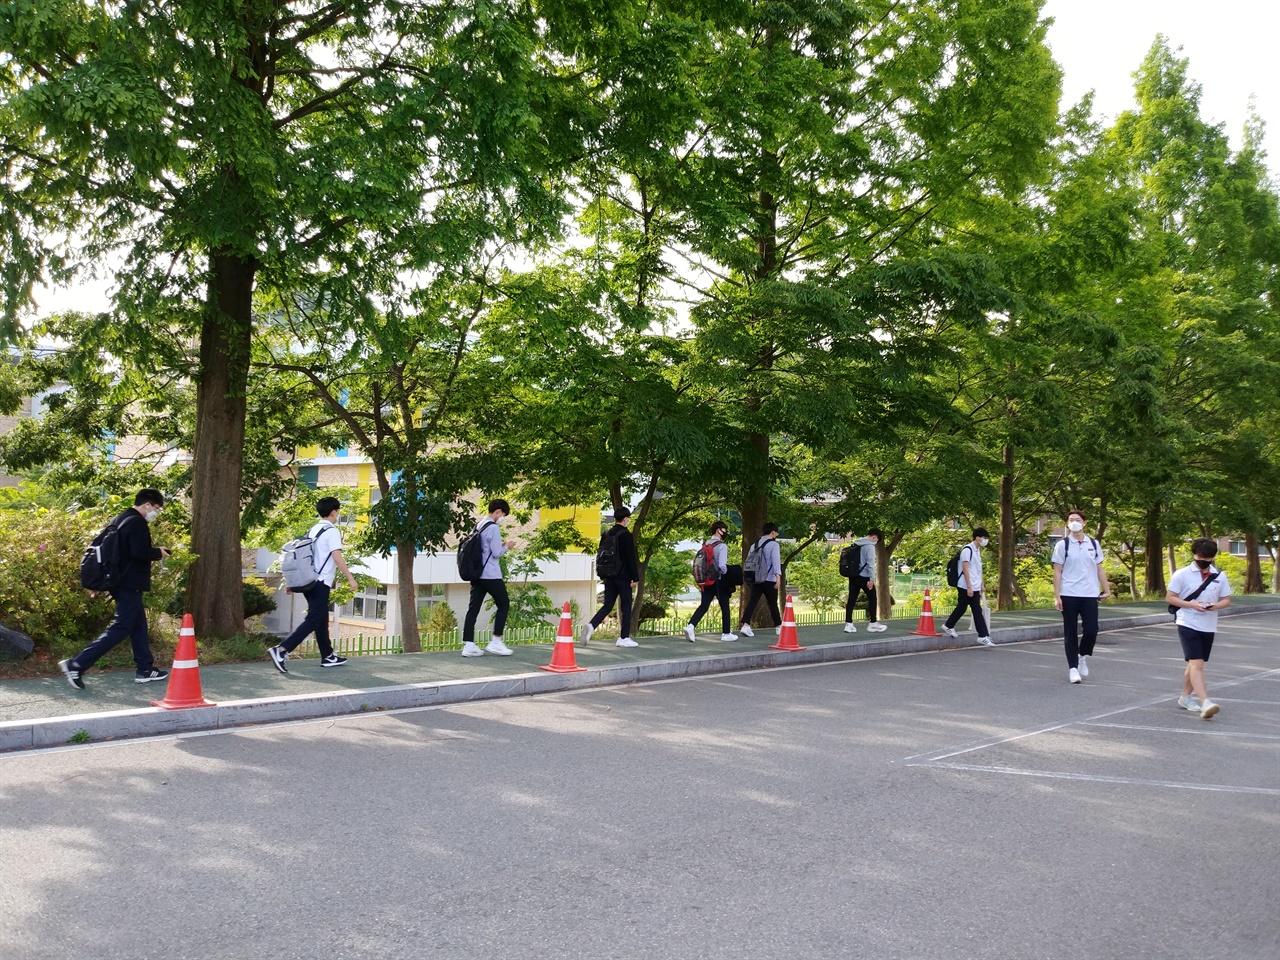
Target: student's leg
[
  {"x": 610, "y": 595},
  {"x": 143, "y": 659},
  {"x": 317, "y": 619},
  {"x": 318, "y": 610},
  {"x": 1070, "y": 642},
  {"x": 854, "y": 587},
  {"x": 708, "y": 594},
  {"x": 121, "y": 626},
  {"x": 473, "y": 611},
  {"x": 498, "y": 590},
  {"x": 1196, "y": 646},
  {"x": 962, "y": 604},
  {"x": 771, "y": 595},
  {"x": 979, "y": 621},
  {"x": 722, "y": 595},
  {"x": 1089, "y": 619},
  {"x": 873, "y": 610},
  {"x": 757, "y": 590},
  {"x": 624, "y": 608}
]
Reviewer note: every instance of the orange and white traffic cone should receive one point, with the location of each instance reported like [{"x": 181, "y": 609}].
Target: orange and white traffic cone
[
  {"x": 562, "y": 658},
  {"x": 925, "y": 627},
  {"x": 184, "y": 679},
  {"x": 787, "y": 639}
]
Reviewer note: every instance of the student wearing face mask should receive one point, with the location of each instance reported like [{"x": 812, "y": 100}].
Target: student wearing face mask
[
  {"x": 134, "y": 555},
  {"x": 1199, "y": 590},
  {"x": 969, "y": 590},
  {"x": 1078, "y": 583}
]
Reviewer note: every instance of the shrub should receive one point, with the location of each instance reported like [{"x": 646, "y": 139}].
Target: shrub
[
  {"x": 40, "y": 591},
  {"x": 257, "y": 600},
  {"x": 440, "y": 618}
]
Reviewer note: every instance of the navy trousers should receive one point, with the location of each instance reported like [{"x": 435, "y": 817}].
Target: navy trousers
[{"x": 130, "y": 621}]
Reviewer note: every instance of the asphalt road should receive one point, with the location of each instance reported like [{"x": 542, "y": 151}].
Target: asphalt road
[{"x": 964, "y": 804}]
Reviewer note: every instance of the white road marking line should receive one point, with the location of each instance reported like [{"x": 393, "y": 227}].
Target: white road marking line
[
  {"x": 1094, "y": 778},
  {"x": 1199, "y": 731}
]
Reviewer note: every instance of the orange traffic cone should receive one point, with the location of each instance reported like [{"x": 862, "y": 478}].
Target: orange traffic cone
[
  {"x": 787, "y": 639},
  {"x": 925, "y": 627},
  {"x": 184, "y": 679},
  {"x": 562, "y": 658}
]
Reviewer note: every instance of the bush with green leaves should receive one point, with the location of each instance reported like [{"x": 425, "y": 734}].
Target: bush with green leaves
[
  {"x": 257, "y": 599},
  {"x": 40, "y": 593}
]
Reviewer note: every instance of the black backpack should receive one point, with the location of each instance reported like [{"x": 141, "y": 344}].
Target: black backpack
[
  {"x": 953, "y": 569},
  {"x": 100, "y": 565},
  {"x": 471, "y": 554},
  {"x": 608, "y": 560},
  {"x": 851, "y": 560}
]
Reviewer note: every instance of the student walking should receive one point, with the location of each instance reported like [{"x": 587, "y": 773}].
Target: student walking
[
  {"x": 1078, "y": 583},
  {"x": 492, "y": 547},
  {"x": 715, "y": 587},
  {"x": 133, "y": 556},
  {"x": 969, "y": 590},
  {"x": 1199, "y": 590},
  {"x": 327, "y": 552},
  {"x": 862, "y": 579},
  {"x": 618, "y": 568},
  {"x": 767, "y": 581}
]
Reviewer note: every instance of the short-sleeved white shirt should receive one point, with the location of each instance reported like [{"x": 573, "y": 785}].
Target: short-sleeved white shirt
[
  {"x": 973, "y": 554},
  {"x": 1188, "y": 579},
  {"x": 1079, "y": 566},
  {"x": 327, "y": 539}
]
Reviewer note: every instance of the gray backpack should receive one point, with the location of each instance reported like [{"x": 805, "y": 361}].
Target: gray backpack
[
  {"x": 298, "y": 559},
  {"x": 754, "y": 568}
]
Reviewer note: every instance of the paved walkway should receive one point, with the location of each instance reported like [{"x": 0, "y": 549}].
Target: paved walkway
[{"x": 48, "y": 712}]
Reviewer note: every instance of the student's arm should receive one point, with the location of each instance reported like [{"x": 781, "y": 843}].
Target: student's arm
[
  {"x": 1057, "y": 586},
  {"x": 341, "y": 564},
  {"x": 1104, "y": 588},
  {"x": 964, "y": 570}
]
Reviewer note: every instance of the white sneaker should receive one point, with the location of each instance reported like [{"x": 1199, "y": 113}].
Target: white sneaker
[
  {"x": 1084, "y": 666},
  {"x": 688, "y": 632},
  {"x": 949, "y": 631},
  {"x": 746, "y": 630},
  {"x": 1208, "y": 709},
  {"x": 728, "y": 637},
  {"x": 876, "y": 627},
  {"x": 850, "y": 628},
  {"x": 1189, "y": 702},
  {"x": 627, "y": 642},
  {"x": 777, "y": 631},
  {"x": 587, "y": 631},
  {"x": 988, "y": 642},
  {"x": 1073, "y": 675},
  {"x": 498, "y": 648},
  {"x": 469, "y": 649}
]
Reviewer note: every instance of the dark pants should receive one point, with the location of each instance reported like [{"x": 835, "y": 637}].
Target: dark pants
[
  {"x": 619, "y": 589},
  {"x": 496, "y": 589},
  {"x": 1086, "y": 608},
  {"x": 768, "y": 590},
  {"x": 317, "y": 620},
  {"x": 717, "y": 591},
  {"x": 966, "y": 602},
  {"x": 130, "y": 621},
  {"x": 857, "y": 585}
]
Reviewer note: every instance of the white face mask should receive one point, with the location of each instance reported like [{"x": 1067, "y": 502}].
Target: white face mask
[
  {"x": 151, "y": 515},
  {"x": 1075, "y": 526},
  {"x": 983, "y": 541}
]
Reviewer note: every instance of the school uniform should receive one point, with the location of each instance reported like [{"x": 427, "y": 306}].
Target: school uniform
[
  {"x": 1079, "y": 589},
  {"x": 766, "y": 585}
]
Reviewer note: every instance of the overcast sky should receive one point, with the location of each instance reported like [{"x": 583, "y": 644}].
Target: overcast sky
[{"x": 1100, "y": 43}]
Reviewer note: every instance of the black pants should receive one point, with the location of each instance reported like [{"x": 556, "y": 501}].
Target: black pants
[
  {"x": 1086, "y": 608},
  {"x": 496, "y": 589},
  {"x": 717, "y": 591},
  {"x": 316, "y": 621},
  {"x": 966, "y": 602},
  {"x": 130, "y": 621},
  {"x": 768, "y": 590},
  {"x": 619, "y": 589},
  {"x": 856, "y": 585}
]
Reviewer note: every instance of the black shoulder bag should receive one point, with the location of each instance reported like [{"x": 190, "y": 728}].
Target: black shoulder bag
[{"x": 1195, "y": 593}]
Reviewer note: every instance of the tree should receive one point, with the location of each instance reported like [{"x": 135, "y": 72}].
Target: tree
[{"x": 222, "y": 149}]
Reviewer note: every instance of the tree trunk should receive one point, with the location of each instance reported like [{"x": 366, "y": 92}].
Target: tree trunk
[
  {"x": 407, "y": 597},
  {"x": 1253, "y": 566},
  {"x": 754, "y": 516},
  {"x": 1173, "y": 561},
  {"x": 1153, "y": 549},
  {"x": 214, "y": 596},
  {"x": 884, "y": 576},
  {"x": 1008, "y": 534}
]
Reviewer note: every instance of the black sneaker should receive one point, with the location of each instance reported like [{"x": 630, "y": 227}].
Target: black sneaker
[
  {"x": 333, "y": 660},
  {"x": 278, "y": 656},
  {"x": 150, "y": 675},
  {"x": 75, "y": 676}
]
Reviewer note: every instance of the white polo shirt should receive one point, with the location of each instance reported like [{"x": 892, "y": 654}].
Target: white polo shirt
[
  {"x": 327, "y": 539},
  {"x": 1188, "y": 579},
  {"x": 973, "y": 554},
  {"x": 1079, "y": 566}
]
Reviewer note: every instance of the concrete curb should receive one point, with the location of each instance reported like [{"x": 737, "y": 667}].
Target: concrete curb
[{"x": 152, "y": 721}]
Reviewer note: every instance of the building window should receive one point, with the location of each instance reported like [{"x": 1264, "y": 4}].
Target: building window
[
  {"x": 425, "y": 596},
  {"x": 369, "y": 604},
  {"x": 1239, "y": 548}
]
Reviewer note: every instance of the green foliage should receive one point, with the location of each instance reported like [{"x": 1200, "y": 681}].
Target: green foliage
[
  {"x": 666, "y": 577},
  {"x": 440, "y": 618},
  {"x": 257, "y": 599},
  {"x": 816, "y": 572}
]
